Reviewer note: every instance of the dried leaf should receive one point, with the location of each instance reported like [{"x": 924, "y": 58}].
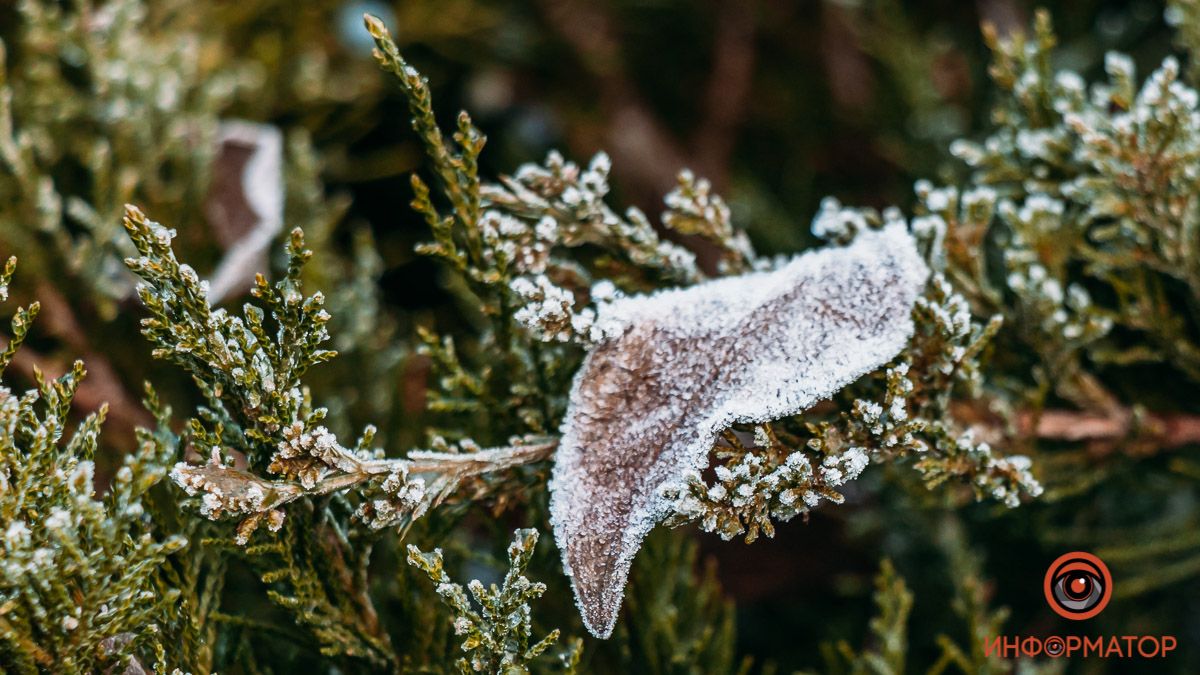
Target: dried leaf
[
  {"x": 685, "y": 364},
  {"x": 245, "y": 202}
]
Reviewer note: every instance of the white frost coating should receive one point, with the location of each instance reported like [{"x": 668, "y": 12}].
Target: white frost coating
[{"x": 684, "y": 364}]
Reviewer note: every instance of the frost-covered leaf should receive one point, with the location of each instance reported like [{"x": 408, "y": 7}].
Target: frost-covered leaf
[
  {"x": 245, "y": 202},
  {"x": 684, "y": 364}
]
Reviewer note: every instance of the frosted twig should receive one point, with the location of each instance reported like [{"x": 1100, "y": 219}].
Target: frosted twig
[{"x": 227, "y": 489}]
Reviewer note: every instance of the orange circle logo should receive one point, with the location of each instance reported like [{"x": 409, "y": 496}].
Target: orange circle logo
[{"x": 1078, "y": 585}]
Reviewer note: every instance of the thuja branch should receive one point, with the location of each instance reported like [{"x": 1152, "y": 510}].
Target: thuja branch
[{"x": 258, "y": 407}]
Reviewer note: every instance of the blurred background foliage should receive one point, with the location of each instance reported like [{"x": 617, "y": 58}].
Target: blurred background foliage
[{"x": 780, "y": 103}]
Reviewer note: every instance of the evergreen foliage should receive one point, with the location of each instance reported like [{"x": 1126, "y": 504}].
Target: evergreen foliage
[{"x": 1046, "y": 399}]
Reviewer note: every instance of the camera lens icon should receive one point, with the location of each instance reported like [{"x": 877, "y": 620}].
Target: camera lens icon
[{"x": 1078, "y": 585}]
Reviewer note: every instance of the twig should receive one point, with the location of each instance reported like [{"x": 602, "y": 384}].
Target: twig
[
  {"x": 1142, "y": 431},
  {"x": 237, "y": 491},
  {"x": 484, "y": 461},
  {"x": 1105, "y": 430}
]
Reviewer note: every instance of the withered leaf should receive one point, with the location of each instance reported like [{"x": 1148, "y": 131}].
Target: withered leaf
[
  {"x": 685, "y": 364},
  {"x": 244, "y": 205}
]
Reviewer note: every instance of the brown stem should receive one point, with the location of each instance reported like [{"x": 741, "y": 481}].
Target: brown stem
[
  {"x": 227, "y": 481},
  {"x": 1105, "y": 431},
  {"x": 1147, "y": 430},
  {"x": 484, "y": 461}
]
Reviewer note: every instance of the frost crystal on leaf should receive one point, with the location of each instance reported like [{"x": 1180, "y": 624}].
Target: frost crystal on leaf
[{"x": 684, "y": 364}]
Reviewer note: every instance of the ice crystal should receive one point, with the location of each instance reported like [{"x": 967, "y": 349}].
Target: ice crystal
[
  {"x": 402, "y": 497},
  {"x": 685, "y": 364},
  {"x": 548, "y": 311}
]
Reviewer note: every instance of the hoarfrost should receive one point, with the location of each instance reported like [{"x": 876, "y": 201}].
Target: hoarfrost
[{"x": 684, "y": 364}]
